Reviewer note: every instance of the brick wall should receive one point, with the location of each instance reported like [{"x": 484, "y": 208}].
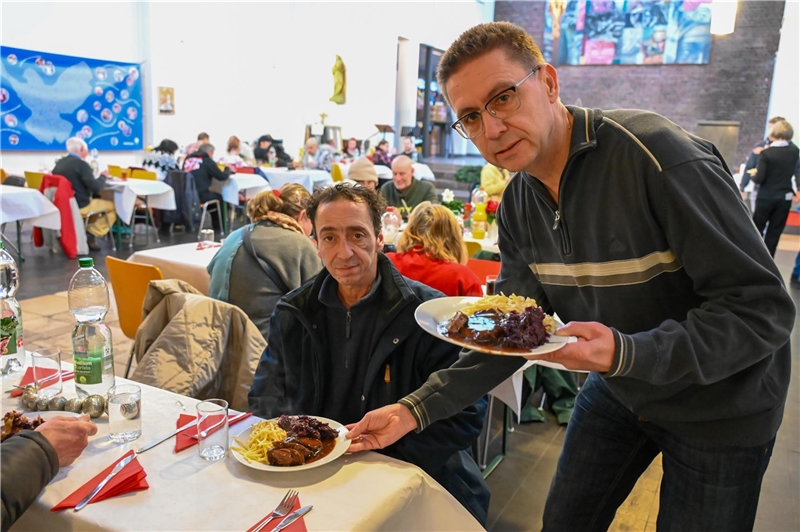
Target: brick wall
[{"x": 734, "y": 85}]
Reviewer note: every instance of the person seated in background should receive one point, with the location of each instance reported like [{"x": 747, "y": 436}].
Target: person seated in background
[
  {"x": 405, "y": 191},
  {"x": 382, "y": 155},
  {"x": 347, "y": 342},
  {"x": 431, "y": 250},
  {"x": 494, "y": 181},
  {"x": 277, "y": 237},
  {"x": 316, "y": 159},
  {"x": 362, "y": 171},
  {"x": 202, "y": 166},
  {"x": 261, "y": 153},
  {"x": 409, "y": 150},
  {"x": 30, "y": 459},
  {"x": 202, "y": 138},
  {"x": 232, "y": 157},
  {"x": 161, "y": 159},
  {"x": 351, "y": 150},
  {"x": 86, "y": 188}
]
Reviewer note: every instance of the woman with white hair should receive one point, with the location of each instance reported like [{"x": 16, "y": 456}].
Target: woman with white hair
[{"x": 86, "y": 188}]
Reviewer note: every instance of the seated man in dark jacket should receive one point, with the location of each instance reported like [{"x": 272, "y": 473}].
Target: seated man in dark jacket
[
  {"x": 87, "y": 188},
  {"x": 202, "y": 166},
  {"x": 346, "y": 342},
  {"x": 31, "y": 459}
]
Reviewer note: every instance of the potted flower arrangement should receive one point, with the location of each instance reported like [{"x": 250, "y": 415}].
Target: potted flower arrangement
[{"x": 449, "y": 201}]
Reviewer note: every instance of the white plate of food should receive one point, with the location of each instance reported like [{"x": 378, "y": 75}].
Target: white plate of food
[
  {"x": 15, "y": 421},
  {"x": 273, "y": 444},
  {"x": 483, "y": 319}
]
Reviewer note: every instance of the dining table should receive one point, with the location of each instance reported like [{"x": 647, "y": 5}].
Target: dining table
[
  {"x": 157, "y": 194},
  {"x": 361, "y": 491},
  {"x": 309, "y": 178},
  {"x": 21, "y": 204},
  {"x": 248, "y": 185},
  {"x": 186, "y": 262}
]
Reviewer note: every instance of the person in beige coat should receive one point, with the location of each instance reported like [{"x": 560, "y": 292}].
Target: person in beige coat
[{"x": 193, "y": 345}]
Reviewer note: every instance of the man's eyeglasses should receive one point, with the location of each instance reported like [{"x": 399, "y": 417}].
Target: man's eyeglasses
[{"x": 500, "y": 106}]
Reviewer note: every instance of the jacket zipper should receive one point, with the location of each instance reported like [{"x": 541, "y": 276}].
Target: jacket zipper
[{"x": 347, "y": 326}]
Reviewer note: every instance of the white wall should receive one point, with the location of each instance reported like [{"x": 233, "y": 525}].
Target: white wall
[
  {"x": 111, "y": 32},
  {"x": 266, "y": 68},
  {"x": 784, "y": 100}
]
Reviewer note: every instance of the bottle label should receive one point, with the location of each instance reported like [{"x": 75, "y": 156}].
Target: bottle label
[
  {"x": 10, "y": 335},
  {"x": 88, "y": 370}
]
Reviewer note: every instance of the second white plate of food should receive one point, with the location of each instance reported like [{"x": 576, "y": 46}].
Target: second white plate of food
[
  {"x": 340, "y": 446},
  {"x": 431, "y": 314}
]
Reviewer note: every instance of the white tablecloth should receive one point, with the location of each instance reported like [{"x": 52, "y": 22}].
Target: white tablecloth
[
  {"x": 184, "y": 262},
  {"x": 159, "y": 196},
  {"x": 28, "y": 204},
  {"x": 250, "y": 184},
  {"x": 308, "y": 178},
  {"x": 366, "y": 491}
]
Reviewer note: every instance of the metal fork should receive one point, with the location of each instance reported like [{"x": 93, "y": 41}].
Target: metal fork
[{"x": 281, "y": 510}]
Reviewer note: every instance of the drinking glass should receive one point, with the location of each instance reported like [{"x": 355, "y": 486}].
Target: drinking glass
[
  {"x": 212, "y": 429},
  {"x": 47, "y": 372},
  {"x": 490, "y": 281},
  {"x": 207, "y": 236},
  {"x": 124, "y": 412}
]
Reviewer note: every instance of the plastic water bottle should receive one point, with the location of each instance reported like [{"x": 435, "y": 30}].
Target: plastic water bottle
[
  {"x": 480, "y": 220},
  {"x": 92, "y": 348},
  {"x": 391, "y": 225},
  {"x": 11, "y": 343}
]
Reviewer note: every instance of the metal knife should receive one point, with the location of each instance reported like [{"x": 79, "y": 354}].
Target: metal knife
[
  {"x": 165, "y": 438},
  {"x": 117, "y": 468},
  {"x": 292, "y": 517}
]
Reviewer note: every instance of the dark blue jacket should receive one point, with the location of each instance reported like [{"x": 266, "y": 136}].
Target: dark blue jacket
[{"x": 294, "y": 371}]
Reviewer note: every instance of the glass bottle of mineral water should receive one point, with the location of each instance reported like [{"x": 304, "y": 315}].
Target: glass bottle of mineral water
[
  {"x": 92, "y": 348},
  {"x": 11, "y": 344}
]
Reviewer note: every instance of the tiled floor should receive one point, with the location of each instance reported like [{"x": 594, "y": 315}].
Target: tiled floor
[{"x": 520, "y": 483}]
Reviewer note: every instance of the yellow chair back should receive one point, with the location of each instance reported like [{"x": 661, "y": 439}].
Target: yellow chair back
[
  {"x": 473, "y": 248},
  {"x": 138, "y": 173},
  {"x": 115, "y": 171},
  {"x": 3, "y": 175},
  {"x": 336, "y": 173},
  {"x": 130, "y": 280},
  {"x": 34, "y": 179}
]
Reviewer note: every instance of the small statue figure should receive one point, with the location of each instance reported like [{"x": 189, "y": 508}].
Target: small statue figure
[{"x": 339, "y": 82}]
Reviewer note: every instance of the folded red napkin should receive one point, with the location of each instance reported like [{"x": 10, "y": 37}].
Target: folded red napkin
[
  {"x": 185, "y": 438},
  {"x": 131, "y": 478},
  {"x": 205, "y": 245},
  {"x": 297, "y": 526},
  {"x": 27, "y": 379}
]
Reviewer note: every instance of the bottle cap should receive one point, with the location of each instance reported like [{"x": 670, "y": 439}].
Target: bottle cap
[{"x": 86, "y": 262}]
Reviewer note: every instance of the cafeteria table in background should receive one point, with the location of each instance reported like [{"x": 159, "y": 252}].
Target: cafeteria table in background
[{"x": 184, "y": 262}]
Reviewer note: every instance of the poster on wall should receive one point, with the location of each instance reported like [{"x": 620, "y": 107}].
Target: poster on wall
[
  {"x": 47, "y": 98},
  {"x": 627, "y": 32},
  {"x": 166, "y": 100}
]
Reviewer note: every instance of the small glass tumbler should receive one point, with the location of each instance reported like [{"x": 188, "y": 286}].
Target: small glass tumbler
[
  {"x": 212, "y": 429},
  {"x": 47, "y": 372},
  {"x": 207, "y": 236},
  {"x": 124, "y": 413},
  {"x": 490, "y": 281}
]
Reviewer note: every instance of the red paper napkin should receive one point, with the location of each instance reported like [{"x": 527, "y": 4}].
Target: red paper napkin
[
  {"x": 184, "y": 438},
  {"x": 297, "y": 526},
  {"x": 28, "y": 379},
  {"x": 131, "y": 478}
]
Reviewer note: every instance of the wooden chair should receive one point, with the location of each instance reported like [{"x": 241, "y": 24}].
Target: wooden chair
[
  {"x": 130, "y": 281},
  {"x": 3, "y": 175},
  {"x": 336, "y": 173},
  {"x": 473, "y": 248},
  {"x": 34, "y": 179},
  {"x": 115, "y": 171}
]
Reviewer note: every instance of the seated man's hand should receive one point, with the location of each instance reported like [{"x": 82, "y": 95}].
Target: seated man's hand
[
  {"x": 381, "y": 428},
  {"x": 758, "y": 149},
  {"x": 69, "y": 436},
  {"x": 312, "y": 163}
]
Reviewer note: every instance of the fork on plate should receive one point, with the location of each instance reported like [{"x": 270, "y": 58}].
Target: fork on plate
[{"x": 281, "y": 510}]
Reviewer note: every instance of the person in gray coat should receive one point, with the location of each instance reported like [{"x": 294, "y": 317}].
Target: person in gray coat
[
  {"x": 261, "y": 262},
  {"x": 32, "y": 458}
]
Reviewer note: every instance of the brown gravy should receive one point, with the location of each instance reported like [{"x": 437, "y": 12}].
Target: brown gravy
[{"x": 327, "y": 447}]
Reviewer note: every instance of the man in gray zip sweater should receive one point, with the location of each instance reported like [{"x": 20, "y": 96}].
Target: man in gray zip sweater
[{"x": 634, "y": 232}]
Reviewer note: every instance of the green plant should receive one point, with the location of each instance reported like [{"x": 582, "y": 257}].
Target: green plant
[{"x": 468, "y": 174}]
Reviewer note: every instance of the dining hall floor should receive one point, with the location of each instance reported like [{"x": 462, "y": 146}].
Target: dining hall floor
[{"x": 520, "y": 483}]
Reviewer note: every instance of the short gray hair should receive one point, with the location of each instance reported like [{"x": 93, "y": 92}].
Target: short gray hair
[
  {"x": 75, "y": 145},
  {"x": 207, "y": 147}
]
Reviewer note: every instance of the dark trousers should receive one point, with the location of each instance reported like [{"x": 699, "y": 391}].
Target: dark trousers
[
  {"x": 705, "y": 486},
  {"x": 207, "y": 195},
  {"x": 772, "y": 214}
]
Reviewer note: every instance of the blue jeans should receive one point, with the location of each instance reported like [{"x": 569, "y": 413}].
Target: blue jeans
[{"x": 705, "y": 486}]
